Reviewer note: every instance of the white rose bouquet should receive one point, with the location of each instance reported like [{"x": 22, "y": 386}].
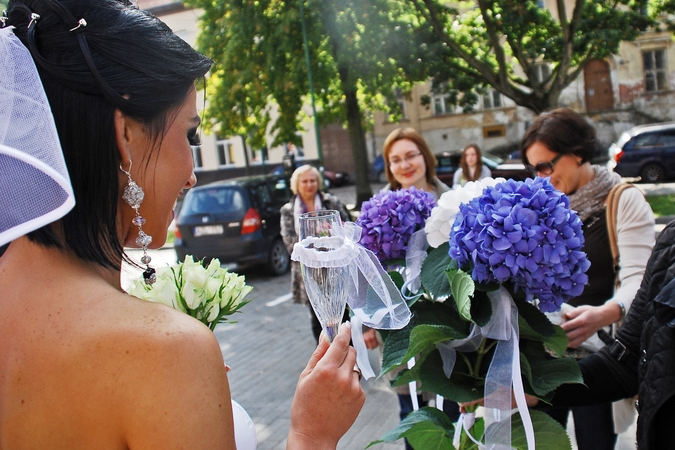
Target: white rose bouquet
[{"x": 210, "y": 293}]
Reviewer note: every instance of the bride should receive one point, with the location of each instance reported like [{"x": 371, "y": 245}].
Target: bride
[{"x": 82, "y": 364}]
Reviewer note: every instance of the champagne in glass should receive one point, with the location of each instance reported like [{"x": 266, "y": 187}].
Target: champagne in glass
[{"x": 321, "y": 234}]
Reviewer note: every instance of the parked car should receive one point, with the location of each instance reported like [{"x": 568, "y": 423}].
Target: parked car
[
  {"x": 646, "y": 151},
  {"x": 236, "y": 221},
  {"x": 378, "y": 173},
  {"x": 448, "y": 163}
]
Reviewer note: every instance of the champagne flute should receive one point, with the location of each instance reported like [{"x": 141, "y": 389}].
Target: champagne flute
[{"x": 321, "y": 231}]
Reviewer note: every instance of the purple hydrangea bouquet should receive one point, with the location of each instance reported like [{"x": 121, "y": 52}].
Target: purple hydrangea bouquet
[
  {"x": 390, "y": 218},
  {"x": 505, "y": 253}
]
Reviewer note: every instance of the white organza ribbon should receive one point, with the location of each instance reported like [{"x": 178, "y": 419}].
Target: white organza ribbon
[
  {"x": 503, "y": 377},
  {"x": 465, "y": 422},
  {"x": 414, "y": 258},
  {"x": 374, "y": 298}
]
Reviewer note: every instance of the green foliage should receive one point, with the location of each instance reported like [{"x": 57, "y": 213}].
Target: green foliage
[
  {"x": 662, "y": 205},
  {"x": 429, "y": 428},
  {"x": 424, "y": 428},
  {"x": 499, "y": 44},
  {"x": 259, "y": 53}
]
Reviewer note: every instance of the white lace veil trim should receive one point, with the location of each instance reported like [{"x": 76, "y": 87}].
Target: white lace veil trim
[{"x": 34, "y": 181}]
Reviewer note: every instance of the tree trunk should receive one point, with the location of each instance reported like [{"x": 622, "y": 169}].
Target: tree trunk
[{"x": 357, "y": 139}]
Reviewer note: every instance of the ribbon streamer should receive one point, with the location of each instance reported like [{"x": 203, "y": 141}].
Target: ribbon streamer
[
  {"x": 465, "y": 422},
  {"x": 503, "y": 377},
  {"x": 414, "y": 258}
]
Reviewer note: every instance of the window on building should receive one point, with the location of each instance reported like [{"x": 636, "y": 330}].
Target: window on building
[
  {"x": 197, "y": 156},
  {"x": 225, "y": 151},
  {"x": 542, "y": 71},
  {"x": 655, "y": 67},
  {"x": 541, "y": 3},
  {"x": 400, "y": 99},
  {"x": 443, "y": 104},
  {"x": 494, "y": 131},
  {"x": 493, "y": 99}
]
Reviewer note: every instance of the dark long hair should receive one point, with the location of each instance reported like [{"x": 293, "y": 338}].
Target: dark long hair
[
  {"x": 563, "y": 131},
  {"x": 123, "y": 59},
  {"x": 466, "y": 173}
]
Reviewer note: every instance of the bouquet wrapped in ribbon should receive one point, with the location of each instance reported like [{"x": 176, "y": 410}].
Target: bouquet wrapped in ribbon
[{"x": 502, "y": 252}]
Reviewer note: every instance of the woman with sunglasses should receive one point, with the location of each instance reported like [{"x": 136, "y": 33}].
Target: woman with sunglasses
[{"x": 560, "y": 145}]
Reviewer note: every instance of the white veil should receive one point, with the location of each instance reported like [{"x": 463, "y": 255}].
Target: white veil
[{"x": 34, "y": 185}]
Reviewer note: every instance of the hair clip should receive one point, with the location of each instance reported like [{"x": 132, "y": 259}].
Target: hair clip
[
  {"x": 80, "y": 23},
  {"x": 33, "y": 19},
  {"x": 3, "y": 18}
]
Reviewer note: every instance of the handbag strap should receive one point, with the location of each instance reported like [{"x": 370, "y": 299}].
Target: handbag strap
[{"x": 612, "y": 210}]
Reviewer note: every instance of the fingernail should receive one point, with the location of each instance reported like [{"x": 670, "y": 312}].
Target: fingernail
[{"x": 348, "y": 325}]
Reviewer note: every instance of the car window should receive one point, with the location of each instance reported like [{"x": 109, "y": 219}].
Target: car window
[
  {"x": 646, "y": 140},
  {"x": 668, "y": 138},
  {"x": 281, "y": 192},
  {"x": 262, "y": 194},
  {"x": 215, "y": 201}
]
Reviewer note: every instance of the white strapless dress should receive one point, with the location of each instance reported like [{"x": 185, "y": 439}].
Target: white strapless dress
[{"x": 244, "y": 430}]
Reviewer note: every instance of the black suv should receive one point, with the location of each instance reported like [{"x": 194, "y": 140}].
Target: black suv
[
  {"x": 646, "y": 151},
  {"x": 236, "y": 221}
]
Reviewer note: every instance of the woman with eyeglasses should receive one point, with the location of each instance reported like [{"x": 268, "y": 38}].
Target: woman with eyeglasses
[
  {"x": 471, "y": 166},
  {"x": 560, "y": 145},
  {"x": 408, "y": 162}
]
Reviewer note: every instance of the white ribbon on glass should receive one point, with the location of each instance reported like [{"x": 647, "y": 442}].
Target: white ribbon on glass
[{"x": 374, "y": 299}]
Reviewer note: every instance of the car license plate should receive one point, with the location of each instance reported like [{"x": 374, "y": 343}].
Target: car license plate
[{"x": 208, "y": 230}]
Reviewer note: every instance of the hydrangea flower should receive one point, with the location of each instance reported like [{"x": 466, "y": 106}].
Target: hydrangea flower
[
  {"x": 389, "y": 218},
  {"x": 524, "y": 233},
  {"x": 443, "y": 215}
]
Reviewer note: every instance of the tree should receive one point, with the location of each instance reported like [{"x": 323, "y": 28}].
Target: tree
[
  {"x": 502, "y": 44},
  {"x": 360, "y": 50}
]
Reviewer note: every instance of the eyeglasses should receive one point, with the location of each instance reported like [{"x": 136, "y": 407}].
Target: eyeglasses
[
  {"x": 544, "y": 168},
  {"x": 407, "y": 158}
]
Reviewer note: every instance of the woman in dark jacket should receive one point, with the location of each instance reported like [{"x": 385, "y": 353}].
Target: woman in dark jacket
[
  {"x": 306, "y": 184},
  {"x": 642, "y": 359}
]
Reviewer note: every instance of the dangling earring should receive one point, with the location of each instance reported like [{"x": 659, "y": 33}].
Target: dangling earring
[{"x": 133, "y": 195}]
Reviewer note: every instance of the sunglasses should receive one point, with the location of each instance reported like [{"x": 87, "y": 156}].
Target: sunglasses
[{"x": 544, "y": 168}]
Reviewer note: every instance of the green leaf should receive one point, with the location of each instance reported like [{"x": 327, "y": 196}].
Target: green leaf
[
  {"x": 535, "y": 318},
  {"x": 460, "y": 387},
  {"x": 462, "y": 288},
  {"x": 549, "y": 434},
  {"x": 427, "y": 428},
  {"x": 433, "y": 269},
  {"x": 534, "y": 325},
  {"x": 481, "y": 308},
  {"x": 441, "y": 314},
  {"x": 424, "y": 336},
  {"x": 545, "y": 373},
  {"x": 397, "y": 278}
]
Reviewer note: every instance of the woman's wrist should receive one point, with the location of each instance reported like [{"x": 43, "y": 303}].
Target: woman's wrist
[{"x": 301, "y": 441}]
